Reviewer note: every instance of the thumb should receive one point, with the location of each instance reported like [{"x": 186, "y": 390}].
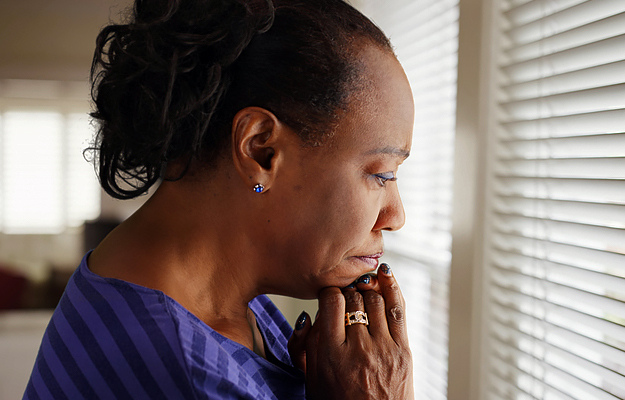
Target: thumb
[{"x": 297, "y": 342}]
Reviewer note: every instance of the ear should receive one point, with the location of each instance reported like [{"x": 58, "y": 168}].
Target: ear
[{"x": 257, "y": 138}]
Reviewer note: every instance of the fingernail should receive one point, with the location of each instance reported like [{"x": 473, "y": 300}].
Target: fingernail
[
  {"x": 386, "y": 269},
  {"x": 364, "y": 279},
  {"x": 301, "y": 321}
]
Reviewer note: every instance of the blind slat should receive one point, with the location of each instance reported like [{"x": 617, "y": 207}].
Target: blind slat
[
  {"x": 537, "y": 9},
  {"x": 543, "y": 391},
  {"x": 563, "y": 40},
  {"x": 590, "y": 55},
  {"x": 501, "y": 388},
  {"x": 610, "y": 145},
  {"x": 574, "y": 189},
  {"x": 406, "y": 15},
  {"x": 602, "y": 75},
  {"x": 577, "y": 212},
  {"x": 589, "y": 236},
  {"x": 583, "y": 101},
  {"x": 610, "y": 121},
  {"x": 578, "y": 15},
  {"x": 590, "y": 168}
]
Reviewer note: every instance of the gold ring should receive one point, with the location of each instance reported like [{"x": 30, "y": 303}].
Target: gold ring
[{"x": 356, "y": 317}]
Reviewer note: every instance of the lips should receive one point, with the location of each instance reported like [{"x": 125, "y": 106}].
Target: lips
[{"x": 371, "y": 260}]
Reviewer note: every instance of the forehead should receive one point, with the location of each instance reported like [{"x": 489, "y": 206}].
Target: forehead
[{"x": 381, "y": 112}]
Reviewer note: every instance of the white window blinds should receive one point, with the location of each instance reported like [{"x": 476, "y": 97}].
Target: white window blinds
[
  {"x": 46, "y": 185},
  {"x": 31, "y": 166},
  {"x": 556, "y": 293},
  {"x": 425, "y": 36}
]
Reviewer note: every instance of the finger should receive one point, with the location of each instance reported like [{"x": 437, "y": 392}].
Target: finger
[
  {"x": 312, "y": 350},
  {"x": 367, "y": 282},
  {"x": 394, "y": 305},
  {"x": 331, "y": 316},
  {"x": 297, "y": 342},
  {"x": 354, "y": 302},
  {"x": 376, "y": 311}
]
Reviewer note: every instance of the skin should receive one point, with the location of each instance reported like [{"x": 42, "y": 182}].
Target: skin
[
  {"x": 212, "y": 244},
  {"x": 356, "y": 361}
]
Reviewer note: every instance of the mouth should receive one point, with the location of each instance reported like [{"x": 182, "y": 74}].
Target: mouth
[{"x": 371, "y": 260}]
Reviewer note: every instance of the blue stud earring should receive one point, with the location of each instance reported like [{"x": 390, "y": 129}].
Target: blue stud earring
[{"x": 258, "y": 188}]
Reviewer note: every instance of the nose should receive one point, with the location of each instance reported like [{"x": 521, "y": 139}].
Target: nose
[{"x": 392, "y": 216}]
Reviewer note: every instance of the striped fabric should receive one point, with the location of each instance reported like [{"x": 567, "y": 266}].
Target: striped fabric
[{"x": 110, "y": 339}]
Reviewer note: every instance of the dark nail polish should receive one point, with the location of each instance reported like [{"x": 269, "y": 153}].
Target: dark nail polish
[
  {"x": 385, "y": 268},
  {"x": 301, "y": 321},
  {"x": 351, "y": 286},
  {"x": 364, "y": 279}
]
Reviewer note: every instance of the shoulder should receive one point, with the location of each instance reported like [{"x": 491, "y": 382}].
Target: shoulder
[{"x": 113, "y": 338}]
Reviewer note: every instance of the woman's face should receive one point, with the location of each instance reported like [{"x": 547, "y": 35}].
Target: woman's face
[{"x": 331, "y": 203}]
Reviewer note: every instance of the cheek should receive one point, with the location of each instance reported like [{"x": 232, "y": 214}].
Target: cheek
[
  {"x": 344, "y": 218},
  {"x": 327, "y": 221},
  {"x": 329, "y": 224}
]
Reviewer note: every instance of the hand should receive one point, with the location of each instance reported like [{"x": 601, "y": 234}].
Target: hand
[{"x": 356, "y": 361}]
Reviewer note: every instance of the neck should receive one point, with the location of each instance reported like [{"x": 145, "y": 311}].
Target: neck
[{"x": 192, "y": 247}]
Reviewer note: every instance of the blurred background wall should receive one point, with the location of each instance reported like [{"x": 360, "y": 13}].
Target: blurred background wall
[
  {"x": 45, "y": 55},
  {"x": 51, "y": 40}
]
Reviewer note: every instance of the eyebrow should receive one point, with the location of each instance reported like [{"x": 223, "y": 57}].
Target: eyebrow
[{"x": 390, "y": 150}]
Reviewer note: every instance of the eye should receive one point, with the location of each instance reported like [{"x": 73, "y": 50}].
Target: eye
[{"x": 385, "y": 177}]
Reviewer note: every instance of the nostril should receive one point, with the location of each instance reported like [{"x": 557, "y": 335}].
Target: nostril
[{"x": 391, "y": 219}]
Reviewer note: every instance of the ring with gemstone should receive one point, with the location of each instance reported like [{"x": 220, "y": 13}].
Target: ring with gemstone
[{"x": 356, "y": 317}]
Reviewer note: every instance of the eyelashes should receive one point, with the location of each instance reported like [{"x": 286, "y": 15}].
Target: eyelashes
[{"x": 385, "y": 177}]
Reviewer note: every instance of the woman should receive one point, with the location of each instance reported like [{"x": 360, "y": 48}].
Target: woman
[{"x": 277, "y": 129}]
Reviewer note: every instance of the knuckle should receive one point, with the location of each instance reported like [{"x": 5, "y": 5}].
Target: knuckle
[
  {"x": 373, "y": 298},
  {"x": 396, "y": 314},
  {"x": 353, "y": 297},
  {"x": 393, "y": 286},
  {"x": 334, "y": 299}
]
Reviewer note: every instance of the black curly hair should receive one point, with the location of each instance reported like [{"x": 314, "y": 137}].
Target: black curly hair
[{"x": 167, "y": 83}]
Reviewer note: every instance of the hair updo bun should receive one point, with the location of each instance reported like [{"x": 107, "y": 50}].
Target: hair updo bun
[{"x": 167, "y": 83}]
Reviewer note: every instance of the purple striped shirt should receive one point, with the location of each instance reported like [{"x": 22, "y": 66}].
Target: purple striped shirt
[{"x": 110, "y": 339}]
